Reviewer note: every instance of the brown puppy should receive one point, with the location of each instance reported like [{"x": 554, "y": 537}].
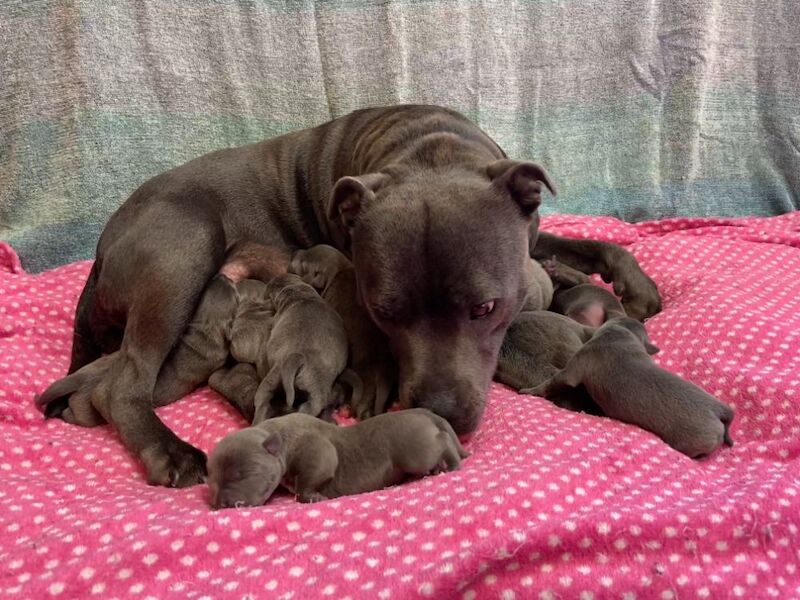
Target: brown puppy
[
  {"x": 306, "y": 350},
  {"x": 577, "y": 297},
  {"x": 201, "y": 350},
  {"x": 332, "y": 274},
  {"x": 318, "y": 460},
  {"x": 622, "y": 379}
]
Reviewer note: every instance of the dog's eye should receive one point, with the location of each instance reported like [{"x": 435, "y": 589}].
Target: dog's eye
[{"x": 481, "y": 310}]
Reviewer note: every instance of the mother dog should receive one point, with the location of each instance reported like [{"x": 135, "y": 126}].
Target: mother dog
[{"x": 440, "y": 225}]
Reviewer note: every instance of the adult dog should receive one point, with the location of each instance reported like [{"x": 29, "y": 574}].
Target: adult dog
[{"x": 439, "y": 223}]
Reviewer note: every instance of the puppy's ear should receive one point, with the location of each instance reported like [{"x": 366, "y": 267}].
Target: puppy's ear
[
  {"x": 522, "y": 181},
  {"x": 272, "y": 443},
  {"x": 651, "y": 348},
  {"x": 350, "y": 195}
]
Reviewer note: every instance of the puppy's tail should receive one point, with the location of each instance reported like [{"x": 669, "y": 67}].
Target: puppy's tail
[
  {"x": 289, "y": 369},
  {"x": 53, "y": 400},
  {"x": 444, "y": 426},
  {"x": 351, "y": 378}
]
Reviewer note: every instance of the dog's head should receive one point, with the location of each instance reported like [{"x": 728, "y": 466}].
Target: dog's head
[{"x": 440, "y": 259}]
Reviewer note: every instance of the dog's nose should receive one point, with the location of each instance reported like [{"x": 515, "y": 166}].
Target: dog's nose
[{"x": 461, "y": 408}]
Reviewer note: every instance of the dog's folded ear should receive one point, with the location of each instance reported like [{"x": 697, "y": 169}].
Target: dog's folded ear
[
  {"x": 522, "y": 180},
  {"x": 350, "y": 195}
]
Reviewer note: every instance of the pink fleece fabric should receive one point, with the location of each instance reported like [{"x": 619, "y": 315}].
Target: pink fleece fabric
[{"x": 551, "y": 504}]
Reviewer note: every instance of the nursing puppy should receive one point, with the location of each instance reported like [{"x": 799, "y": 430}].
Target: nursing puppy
[
  {"x": 238, "y": 384},
  {"x": 252, "y": 324},
  {"x": 333, "y": 276},
  {"x": 617, "y": 371},
  {"x": 578, "y": 298},
  {"x": 201, "y": 350},
  {"x": 306, "y": 350},
  {"x": 318, "y": 460}
]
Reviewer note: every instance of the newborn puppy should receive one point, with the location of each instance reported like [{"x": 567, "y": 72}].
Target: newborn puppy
[
  {"x": 306, "y": 350},
  {"x": 622, "y": 379},
  {"x": 238, "y": 384},
  {"x": 318, "y": 460},
  {"x": 333, "y": 276},
  {"x": 253, "y": 322},
  {"x": 537, "y": 345},
  {"x": 540, "y": 292},
  {"x": 202, "y": 349},
  {"x": 579, "y": 299}
]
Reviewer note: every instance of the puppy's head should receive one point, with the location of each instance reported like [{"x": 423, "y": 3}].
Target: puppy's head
[
  {"x": 245, "y": 468},
  {"x": 284, "y": 290},
  {"x": 440, "y": 260},
  {"x": 634, "y": 327},
  {"x": 319, "y": 265}
]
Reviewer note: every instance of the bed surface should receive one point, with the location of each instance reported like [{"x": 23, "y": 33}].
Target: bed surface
[{"x": 551, "y": 504}]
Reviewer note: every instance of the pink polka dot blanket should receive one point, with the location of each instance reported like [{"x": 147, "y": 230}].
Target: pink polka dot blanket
[{"x": 551, "y": 504}]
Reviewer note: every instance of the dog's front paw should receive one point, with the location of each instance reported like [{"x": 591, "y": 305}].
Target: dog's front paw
[
  {"x": 174, "y": 464},
  {"x": 639, "y": 293}
]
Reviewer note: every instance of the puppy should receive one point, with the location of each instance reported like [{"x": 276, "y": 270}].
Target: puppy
[
  {"x": 540, "y": 291},
  {"x": 253, "y": 322},
  {"x": 306, "y": 350},
  {"x": 201, "y": 350},
  {"x": 238, "y": 383},
  {"x": 578, "y": 298},
  {"x": 318, "y": 460},
  {"x": 617, "y": 371},
  {"x": 537, "y": 345},
  {"x": 333, "y": 276}
]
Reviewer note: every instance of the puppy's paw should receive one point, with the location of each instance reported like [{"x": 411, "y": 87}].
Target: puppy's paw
[
  {"x": 311, "y": 497},
  {"x": 550, "y": 266},
  {"x": 174, "y": 464}
]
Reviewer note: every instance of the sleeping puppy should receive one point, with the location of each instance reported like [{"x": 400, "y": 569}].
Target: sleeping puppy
[
  {"x": 333, "y": 276},
  {"x": 537, "y": 345},
  {"x": 306, "y": 350},
  {"x": 540, "y": 291},
  {"x": 578, "y": 298},
  {"x": 617, "y": 371},
  {"x": 318, "y": 460},
  {"x": 201, "y": 350}
]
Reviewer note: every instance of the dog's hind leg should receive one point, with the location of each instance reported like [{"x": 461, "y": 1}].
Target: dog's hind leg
[{"x": 156, "y": 270}]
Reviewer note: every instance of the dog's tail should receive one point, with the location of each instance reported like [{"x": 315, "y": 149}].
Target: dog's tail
[
  {"x": 289, "y": 369},
  {"x": 351, "y": 378}
]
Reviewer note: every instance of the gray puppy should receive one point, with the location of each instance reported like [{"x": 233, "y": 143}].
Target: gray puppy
[
  {"x": 238, "y": 383},
  {"x": 201, "y": 350},
  {"x": 253, "y": 321},
  {"x": 332, "y": 274},
  {"x": 318, "y": 460},
  {"x": 306, "y": 350},
  {"x": 537, "y": 345},
  {"x": 577, "y": 297},
  {"x": 616, "y": 369}
]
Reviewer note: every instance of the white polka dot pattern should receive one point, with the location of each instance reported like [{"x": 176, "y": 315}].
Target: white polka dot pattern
[{"x": 551, "y": 504}]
